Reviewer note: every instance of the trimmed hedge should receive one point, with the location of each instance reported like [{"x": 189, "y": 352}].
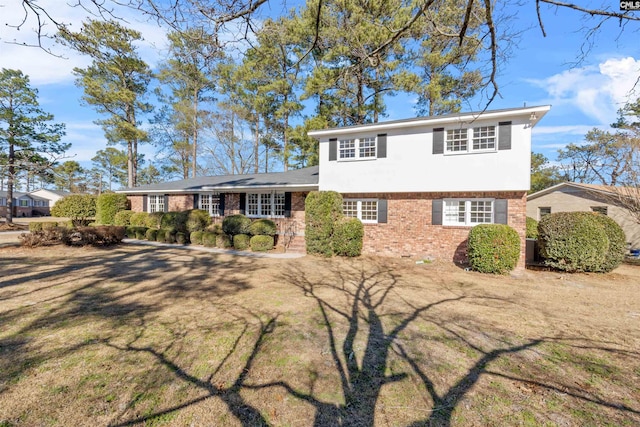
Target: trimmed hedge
[
  {"x": 123, "y": 218},
  {"x": 170, "y": 235},
  {"x": 323, "y": 209},
  {"x": 573, "y": 241},
  {"x": 38, "y": 226},
  {"x": 175, "y": 221},
  {"x": 197, "y": 220},
  {"x": 347, "y": 237},
  {"x": 181, "y": 238},
  {"x": 223, "y": 241},
  {"x": 160, "y": 235},
  {"x": 108, "y": 205},
  {"x": 241, "y": 242},
  {"x": 80, "y": 208},
  {"x": 139, "y": 219},
  {"x": 493, "y": 248},
  {"x": 196, "y": 237},
  {"x": 263, "y": 227},
  {"x": 532, "y": 228},
  {"x": 141, "y": 233},
  {"x": 617, "y": 243},
  {"x": 209, "y": 239},
  {"x": 151, "y": 234},
  {"x": 236, "y": 224},
  {"x": 154, "y": 220},
  {"x": 261, "y": 243}
]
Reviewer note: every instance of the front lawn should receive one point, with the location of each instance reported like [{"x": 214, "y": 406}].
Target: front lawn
[{"x": 137, "y": 335}]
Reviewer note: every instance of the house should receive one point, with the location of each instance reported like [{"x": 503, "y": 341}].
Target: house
[
  {"x": 51, "y": 195},
  {"x": 24, "y": 204},
  {"x": 573, "y": 196},
  {"x": 418, "y": 185}
]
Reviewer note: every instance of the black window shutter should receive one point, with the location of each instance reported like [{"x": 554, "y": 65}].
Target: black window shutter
[
  {"x": 504, "y": 136},
  {"x": 243, "y": 203},
  {"x": 382, "y": 211},
  {"x": 195, "y": 201},
  {"x": 333, "y": 149},
  {"x": 436, "y": 212},
  {"x": 501, "y": 208},
  {"x": 287, "y": 204},
  {"x": 382, "y": 145},
  {"x": 144, "y": 203},
  {"x": 438, "y": 141},
  {"x": 166, "y": 203},
  {"x": 221, "y": 205}
]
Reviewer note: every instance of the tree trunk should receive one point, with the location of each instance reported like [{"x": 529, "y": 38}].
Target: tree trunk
[
  {"x": 194, "y": 154},
  {"x": 130, "y": 164},
  {"x": 11, "y": 169},
  {"x": 256, "y": 145}
]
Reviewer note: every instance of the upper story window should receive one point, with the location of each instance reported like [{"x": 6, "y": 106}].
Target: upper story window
[
  {"x": 156, "y": 203},
  {"x": 480, "y": 138},
  {"x": 210, "y": 203},
  {"x": 467, "y": 212},
  {"x": 357, "y": 148},
  {"x": 268, "y": 205},
  {"x": 365, "y": 210}
]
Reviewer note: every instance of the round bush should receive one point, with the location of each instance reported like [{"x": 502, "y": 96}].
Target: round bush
[
  {"x": 617, "y": 243},
  {"x": 215, "y": 228},
  {"x": 261, "y": 243},
  {"x": 160, "y": 235},
  {"x": 151, "y": 234},
  {"x": 175, "y": 220},
  {"x": 209, "y": 239},
  {"x": 196, "y": 237},
  {"x": 347, "y": 237},
  {"x": 154, "y": 220},
  {"x": 573, "y": 241},
  {"x": 223, "y": 241},
  {"x": 80, "y": 208},
  {"x": 236, "y": 224},
  {"x": 263, "y": 227},
  {"x": 532, "y": 228},
  {"x": 493, "y": 248},
  {"x": 241, "y": 241},
  {"x": 141, "y": 233},
  {"x": 198, "y": 220},
  {"x": 123, "y": 218},
  {"x": 107, "y": 205},
  {"x": 181, "y": 238},
  {"x": 139, "y": 219},
  {"x": 170, "y": 235},
  {"x": 35, "y": 226}
]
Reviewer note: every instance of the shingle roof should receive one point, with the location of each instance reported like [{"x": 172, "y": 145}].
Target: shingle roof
[
  {"x": 606, "y": 189},
  {"x": 298, "y": 178}
]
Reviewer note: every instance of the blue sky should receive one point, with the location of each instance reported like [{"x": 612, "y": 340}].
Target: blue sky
[{"x": 539, "y": 71}]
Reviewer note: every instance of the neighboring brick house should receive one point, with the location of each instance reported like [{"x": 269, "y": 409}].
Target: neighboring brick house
[
  {"x": 573, "y": 196},
  {"x": 418, "y": 185},
  {"x": 24, "y": 204}
]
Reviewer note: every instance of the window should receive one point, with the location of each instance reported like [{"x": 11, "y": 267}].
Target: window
[
  {"x": 365, "y": 210},
  {"x": 210, "y": 203},
  {"x": 362, "y": 148},
  {"x": 602, "y": 210},
  {"x": 468, "y": 212},
  {"x": 156, "y": 203},
  {"x": 481, "y": 138},
  {"x": 23, "y": 203},
  {"x": 3, "y": 201},
  {"x": 542, "y": 211},
  {"x": 265, "y": 204}
]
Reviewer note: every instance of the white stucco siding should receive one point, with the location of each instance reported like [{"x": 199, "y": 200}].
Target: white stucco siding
[{"x": 411, "y": 166}]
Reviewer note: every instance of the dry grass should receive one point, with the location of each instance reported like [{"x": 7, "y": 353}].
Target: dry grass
[{"x": 154, "y": 336}]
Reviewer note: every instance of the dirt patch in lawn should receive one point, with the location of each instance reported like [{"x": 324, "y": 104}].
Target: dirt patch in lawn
[{"x": 157, "y": 336}]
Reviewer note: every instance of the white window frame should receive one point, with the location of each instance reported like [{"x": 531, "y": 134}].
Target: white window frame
[
  {"x": 466, "y": 212},
  {"x": 359, "y": 211},
  {"x": 213, "y": 205},
  {"x": 255, "y": 205},
  {"x": 358, "y": 146},
  {"x": 23, "y": 203},
  {"x": 155, "y": 203},
  {"x": 474, "y": 134}
]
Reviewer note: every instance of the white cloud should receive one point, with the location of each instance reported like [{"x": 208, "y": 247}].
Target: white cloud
[{"x": 598, "y": 92}]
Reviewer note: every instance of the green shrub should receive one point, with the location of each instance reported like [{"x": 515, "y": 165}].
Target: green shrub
[
  {"x": 154, "y": 220},
  {"x": 139, "y": 219},
  {"x": 181, "y": 238},
  {"x": 151, "y": 234},
  {"x": 573, "y": 241},
  {"x": 141, "y": 233},
  {"x": 102, "y": 235},
  {"x": 123, "y": 218},
  {"x": 263, "y": 227},
  {"x": 215, "y": 228},
  {"x": 236, "y": 224},
  {"x": 35, "y": 226},
  {"x": 160, "y": 235},
  {"x": 532, "y": 228},
  {"x": 493, "y": 248},
  {"x": 108, "y": 205},
  {"x": 347, "y": 237},
  {"x": 196, "y": 237},
  {"x": 241, "y": 241},
  {"x": 175, "y": 220},
  {"x": 261, "y": 243},
  {"x": 46, "y": 237},
  {"x": 209, "y": 239},
  {"x": 80, "y": 208},
  {"x": 323, "y": 209},
  {"x": 223, "y": 241},
  {"x": 170, "y": 235},
  {"x": 617, "y": 243},
  {"x": 130, "y": 231},
  {"x": 49, "y": 224},
  {"x": 197, "y": 220}
]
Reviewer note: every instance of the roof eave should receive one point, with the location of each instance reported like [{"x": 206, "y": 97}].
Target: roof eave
[{"x": 291, "y": 187}]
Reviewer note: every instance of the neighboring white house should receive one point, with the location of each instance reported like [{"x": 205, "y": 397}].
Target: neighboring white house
[
  {"x": 418, "y": 185},
  {"x": 51, "y": 195}
]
